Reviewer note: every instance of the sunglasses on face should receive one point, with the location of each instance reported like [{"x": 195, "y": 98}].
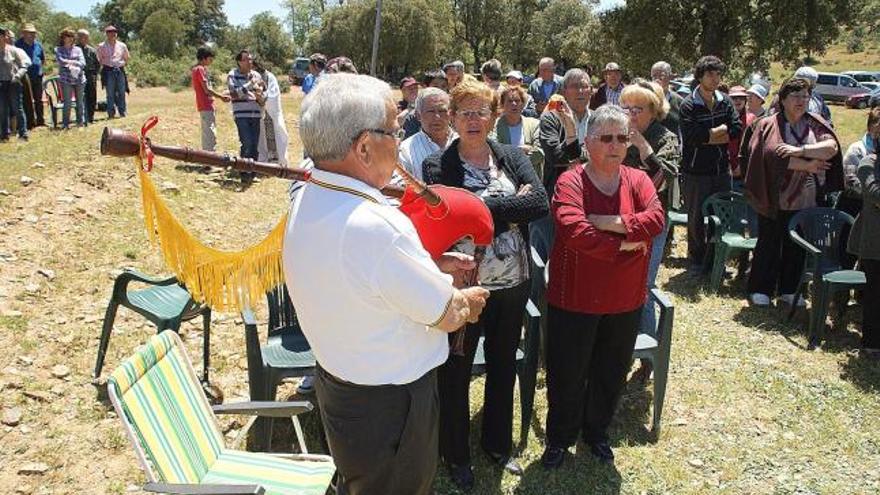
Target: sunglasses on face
[{"x": 609, "y": 138}]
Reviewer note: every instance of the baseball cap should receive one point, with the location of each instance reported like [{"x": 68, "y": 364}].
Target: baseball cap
[
  {"x": 407, "y": 81},
  {"x": 738, "y": 91},
  {"x": 515, "y": 74},
  {"x": 758, "y": 90},
  {"x": 808, "y": 73},
  {"x": 611, "y": 66}
]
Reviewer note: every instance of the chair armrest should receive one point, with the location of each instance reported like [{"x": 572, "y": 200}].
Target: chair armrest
[
  {"x": 666, "y": 320},
  {"x": 532, "y": 310},
  {"x": 660, "y": 298},
  {"x": 265, "y": 409},
  {"x": 248, "y": 317},
  {"x": 800, "y": 241},
  {"x": 713, "y": 227},
  {"x": 182, "y": 489},
  {"x": 128, "y": 275}
]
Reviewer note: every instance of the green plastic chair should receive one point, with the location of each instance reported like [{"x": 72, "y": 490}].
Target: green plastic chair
[
  {"x": 285, "y": 354},
  {"x": 726, "y": 214},
  {"x": 818, "y": 231},
  {"x": 176, "y": 439},
  {"x": 655, "y": 345},
  {"x": 526, "y": 364},
  {"x": 164, "y": 302},
  {"x": 675, "y": 216}
]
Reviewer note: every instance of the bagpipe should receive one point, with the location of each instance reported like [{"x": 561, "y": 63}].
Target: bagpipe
[{"x": 224, "y": 280}]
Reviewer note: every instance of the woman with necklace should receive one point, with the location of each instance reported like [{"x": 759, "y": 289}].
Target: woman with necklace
[
  {"x": 606, "y": 215},
  {"x": 794, "y": 161},
  {"x": 504, "y": 178}
]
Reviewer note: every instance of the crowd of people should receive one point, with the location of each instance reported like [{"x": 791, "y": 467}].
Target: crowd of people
[{"x": 584, "y": 176}]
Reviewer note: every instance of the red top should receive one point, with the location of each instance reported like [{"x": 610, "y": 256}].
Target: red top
[
  {"x": 204, "y": 101},
  {"x": 588, "y": 271}
]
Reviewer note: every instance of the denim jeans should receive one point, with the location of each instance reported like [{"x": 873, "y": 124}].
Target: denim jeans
[
  {"x": 68, "y": 91},
  {"x": 11, "y": 106},
  {"x": 649, "y": 316},
  {"x": 249, "y": 135},
  {"x": 115, "y": 83}
]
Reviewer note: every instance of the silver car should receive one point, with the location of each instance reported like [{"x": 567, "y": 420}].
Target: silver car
[{"x": 838, "y": 87}]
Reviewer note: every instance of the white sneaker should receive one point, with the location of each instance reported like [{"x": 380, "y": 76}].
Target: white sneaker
[
  {"x": 758, "y": 299},
  {"x": 306, "y": 386},
  {"x": 789, "y": 299}
]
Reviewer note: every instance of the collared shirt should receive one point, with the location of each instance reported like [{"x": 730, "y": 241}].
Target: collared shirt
[
  {"x": 415, "y": 148},
  {"x": 612, "y": 95},
  {"x": 71, "y": 63},
  {"x": 244, "y": 100},
  {"x": 13, "y": 64},
  {"x": 365, "y": 290},
  {"x": 37, "y": 55},
  {"x": 582, "y": 125},
  {"x": 115, "y": 55}
]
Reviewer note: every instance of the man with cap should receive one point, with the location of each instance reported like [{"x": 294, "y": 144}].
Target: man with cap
[
  {"x": 113, "y": 55},
  {"x": 91, "y": 70},
  {"x": 547, "y": 84},
  {"x": 817, "y": 103},
  {"x": 608, "y": 91},
  {"x": 14, "y": 63},
  {"x": 34, "y": 50},
  {"x": 757, "y": 95},
  {"x": 317, "y": 62},
  {"x": 514, "y": 78}
]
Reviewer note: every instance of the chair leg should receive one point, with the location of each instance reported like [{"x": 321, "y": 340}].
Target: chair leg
[
  {"x": 107, "y": 328},
  {"x": 817, "y": 315},
  {"x": 206, "y": 345},
  {"x": 661, "y": 372},
  {"x": 718, "y": 265},
  {"x": 797, "y": 296},
  {"x": 300, "y": 438}
]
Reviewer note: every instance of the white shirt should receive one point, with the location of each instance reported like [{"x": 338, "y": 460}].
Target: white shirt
[
  {"x": 414, "y": 149},
  {"x": 365, "y": 290},
  {"x": 516, "y": 134}
]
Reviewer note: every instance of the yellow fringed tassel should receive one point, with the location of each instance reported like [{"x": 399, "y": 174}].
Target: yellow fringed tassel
[{"x": 225, "y": 281}]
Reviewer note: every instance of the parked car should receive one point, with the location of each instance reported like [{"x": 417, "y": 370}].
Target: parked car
[
  {"x": 838, "y": 87},
  {"x": 298, "y": 70},
  {"x": 862, "y": 100},
  {"x": 863, "y": 75}
]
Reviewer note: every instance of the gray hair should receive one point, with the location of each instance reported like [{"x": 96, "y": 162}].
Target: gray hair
[
  {"x": 575, "y": 76},
  {"x": 662, "y": 67},
  {"x": 545, "y": 61},
  {"x": 337, "y": 110},
  {"x": 605, "y": 116},
  {"x": 457, "y": 64},
  {"x": 427, "y": 93}
]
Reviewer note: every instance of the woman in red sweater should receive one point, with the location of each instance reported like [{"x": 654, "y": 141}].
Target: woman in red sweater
[{"x": 606, "y": 215}]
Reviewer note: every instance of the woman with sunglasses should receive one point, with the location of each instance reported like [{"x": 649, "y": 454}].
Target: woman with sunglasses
[
  {"x": 606, "y": 215},
  {"x": 655, "y": 150},
  {"x": 504, "y": 178}
]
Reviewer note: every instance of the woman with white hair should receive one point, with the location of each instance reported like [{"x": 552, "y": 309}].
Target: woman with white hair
[{"x": 606, "y": 215}]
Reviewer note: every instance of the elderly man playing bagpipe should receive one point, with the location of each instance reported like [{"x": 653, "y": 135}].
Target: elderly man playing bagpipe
[{"x": 372, "y": 302}]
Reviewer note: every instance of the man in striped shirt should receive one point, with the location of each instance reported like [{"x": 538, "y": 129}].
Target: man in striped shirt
[
  {"x": 432, "y": 109},
  {"x": 246, "y": 90}
]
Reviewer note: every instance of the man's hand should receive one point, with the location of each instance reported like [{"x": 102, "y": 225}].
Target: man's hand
[
  {"x": 465, "y": 307},
  {"x": 459, "y": 265},
  {"x": 476, "y": 298},
  {"x": 634, "y": 246},
  {"x": 784, "y": 150}
]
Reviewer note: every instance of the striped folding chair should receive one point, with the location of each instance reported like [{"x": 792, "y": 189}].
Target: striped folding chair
[{"x": 176, "y": 439}]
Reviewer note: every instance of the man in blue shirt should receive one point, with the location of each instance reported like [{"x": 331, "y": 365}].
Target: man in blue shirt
[
  {"x": 546, "y": 84},
  {"x": 34, "y": 49},
  {"x": 317, "y": 62}
]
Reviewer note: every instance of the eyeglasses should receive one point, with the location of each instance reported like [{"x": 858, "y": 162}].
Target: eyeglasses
[
  {"x": 483, "y": 113},
  {"x": 397, "y": 134},
  {"x": 437, "y": 112},
  {"x": 608, "y": 138},
  {"x": 633, "y": 110}
]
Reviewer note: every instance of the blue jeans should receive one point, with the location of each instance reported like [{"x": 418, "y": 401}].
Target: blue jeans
[
  {"x": 649, "y": 317},
  {"x": 249, "y": 135},
  {"x": 68, "y": 91},
  {"x": 11, "y": 106},
  {"x": 115, "y": 83}
]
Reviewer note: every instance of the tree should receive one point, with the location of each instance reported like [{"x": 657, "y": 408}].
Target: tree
[
  {"x": 479, "y": 26},
  {"x": 137, "y": 12},
  {"x": 565, "y": 30},
  {"x": 209, "y": 20},
  {"x": 304, "y": 17},
  {"x": 266, "y": 37},
  {"x": 113, "y": 12},
  {"x": 13, "y": 10},
  {"x": 160, "y": 33}
]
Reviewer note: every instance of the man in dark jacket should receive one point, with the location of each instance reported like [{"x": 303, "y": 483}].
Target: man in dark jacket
[
  {"x": 609, "y": 90},
  {"x": 92, "y": 68},
  {"x": 708, "y": 122}
]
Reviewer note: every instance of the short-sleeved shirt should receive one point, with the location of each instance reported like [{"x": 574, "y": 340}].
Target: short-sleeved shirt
[
  {"x": 366, "y": 292},
  {"x": 36, "y": 54},
  {"x": 112, "y": 55},
  {"x": 505, "y": 263},
  {"x": 200, "y": 77},
  {"x": 797, "y": 189}
]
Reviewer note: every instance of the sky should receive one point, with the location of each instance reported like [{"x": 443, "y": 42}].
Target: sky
[{"x": 237, "y": 11}]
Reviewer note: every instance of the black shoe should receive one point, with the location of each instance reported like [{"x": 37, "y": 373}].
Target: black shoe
[
  {"x": 510, "y": 464},
  {"x": 552, "y": 457},
  {"x": 462, "y": 476},
  {"x": 23, "y": 137},
  {"x": 602, "y": 451}
]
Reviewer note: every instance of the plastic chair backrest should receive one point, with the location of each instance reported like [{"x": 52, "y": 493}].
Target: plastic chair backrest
[
  {"x": 823, "y": 229},
  {"x": 282, "y": 316},
  {"x": 159, "y": 399},
  {"x": 55, "y": 84},
  {"x": 731, "y": 209}
]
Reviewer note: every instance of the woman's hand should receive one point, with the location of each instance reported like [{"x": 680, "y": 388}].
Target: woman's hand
[
  {"x": 784, "y": 150},
  {"x": 607, "y": 223},
  {"x": 642, "y": 144},
  {"x": 459, "y": 265},
  {"x": 814, "y": 166},
  {"x": 634, "y": 246},
  {"x": 524, "y": 189}
]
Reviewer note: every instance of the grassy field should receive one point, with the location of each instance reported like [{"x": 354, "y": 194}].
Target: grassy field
[{"x": 748, "y": 409}]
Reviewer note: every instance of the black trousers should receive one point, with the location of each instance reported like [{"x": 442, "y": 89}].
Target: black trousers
[
  {"x": 778, "y": 261},
  {"x": 871, "y": 304},
  {"x": 37, "y": 94},
  {"x": 91, "y": 92},
  {"x": 588, "y": 357},
  {"x": 501, "y": 324},
  {"x": 696, "y": 189},
  {"x": 383, "y": 438}
]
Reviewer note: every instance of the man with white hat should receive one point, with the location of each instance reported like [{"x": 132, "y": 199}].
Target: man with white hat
[
  {"x": 757, "y": 95},
  {"x": 34, "y": 50},
  {"x": 514, "y": 78},
  {"x": 608, "y": 91},
  {"x": 817, "y": 103}
]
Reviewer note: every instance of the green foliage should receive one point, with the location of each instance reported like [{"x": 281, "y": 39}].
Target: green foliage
[
  {"x": 13, "y": 10},
  {"x": 266, "y": 38},
  {"x": 303, "y": 19},
  {"x": 160, "y": 33},
  {"x": 137, "y": 12},
  {"x": 113, "y": 12}
]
